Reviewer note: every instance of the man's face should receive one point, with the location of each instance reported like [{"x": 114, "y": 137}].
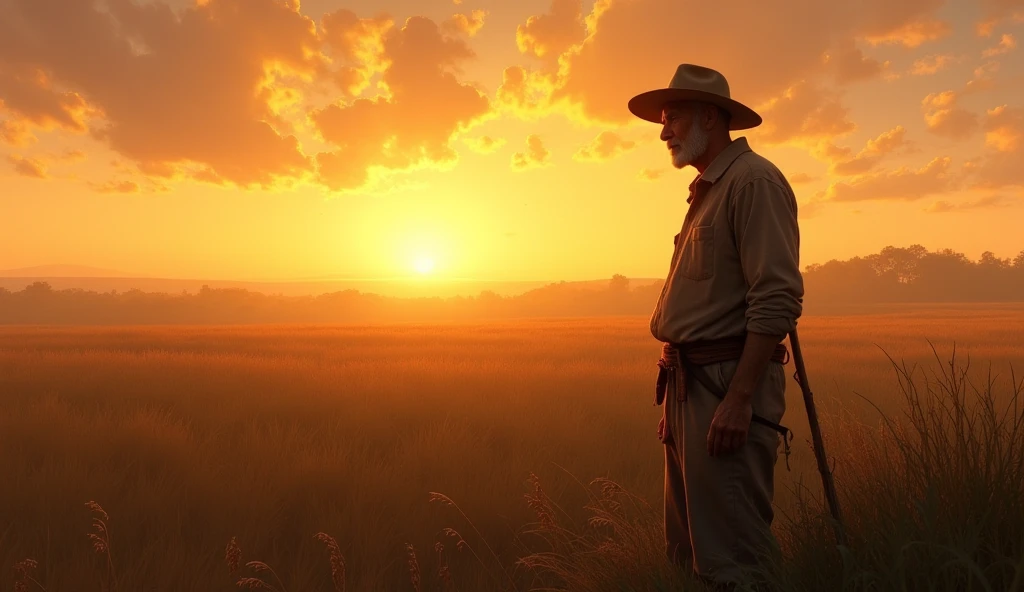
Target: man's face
[{"x": 685, "y": 138}]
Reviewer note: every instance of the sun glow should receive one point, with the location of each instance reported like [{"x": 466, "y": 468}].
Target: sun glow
[{"x": 424, "y": 264}]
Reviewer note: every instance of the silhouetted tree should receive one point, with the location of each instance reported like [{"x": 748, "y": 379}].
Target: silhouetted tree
[
  {"x": 36, "y": 289},
  {"x": 900, "y": 262},
  {"x": 989, "y": 259},
  {"x": 619, "y": 284}
]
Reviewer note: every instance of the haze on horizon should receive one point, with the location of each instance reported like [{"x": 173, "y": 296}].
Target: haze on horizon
[{"x": 268, "y": 139}]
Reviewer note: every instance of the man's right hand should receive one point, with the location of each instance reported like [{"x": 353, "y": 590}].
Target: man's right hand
[{"x": 662, "y": 430}]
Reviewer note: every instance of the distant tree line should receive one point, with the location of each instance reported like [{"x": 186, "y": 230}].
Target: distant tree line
[
  {"x": 894, "y": 275},
  {"x": 913, "y": 274}
]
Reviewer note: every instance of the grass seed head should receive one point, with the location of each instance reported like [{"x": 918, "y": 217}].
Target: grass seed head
[
  {"x": 95, "y": 507},
  {"x": 414, "y": 568},
  {"x": 336, "y": 558},
  {"x": 253, "y": 584},
  {"x": 233, "y": 555}
]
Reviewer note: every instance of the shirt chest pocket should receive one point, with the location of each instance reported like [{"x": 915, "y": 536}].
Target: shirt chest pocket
[{"x": 697, "y": 258}]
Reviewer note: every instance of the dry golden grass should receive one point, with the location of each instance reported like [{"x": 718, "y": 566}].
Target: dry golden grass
[{"x": 189, "y": 436}]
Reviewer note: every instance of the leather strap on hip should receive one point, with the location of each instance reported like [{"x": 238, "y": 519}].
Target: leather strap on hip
[{"x": 698, "y": 373}]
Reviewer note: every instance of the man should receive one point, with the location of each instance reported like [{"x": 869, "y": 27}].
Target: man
[{"x": 733, "y": 292}]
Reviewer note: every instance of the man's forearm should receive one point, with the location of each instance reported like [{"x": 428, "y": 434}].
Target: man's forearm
[{"x": 757, "y": 351}]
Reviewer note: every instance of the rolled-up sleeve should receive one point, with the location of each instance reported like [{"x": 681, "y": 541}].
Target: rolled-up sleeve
[{"x": 768, "y": 241}]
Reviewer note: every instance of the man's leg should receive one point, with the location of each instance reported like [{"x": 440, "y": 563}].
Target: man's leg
[
  {"x": 677, "y": 528},
  {"x": 730, "y": 497}
]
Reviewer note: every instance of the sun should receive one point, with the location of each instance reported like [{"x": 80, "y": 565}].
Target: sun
[{"x": 424, "y": 264}]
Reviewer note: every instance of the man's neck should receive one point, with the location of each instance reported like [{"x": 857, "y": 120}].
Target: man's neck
[{"x": 715, "y": 147}]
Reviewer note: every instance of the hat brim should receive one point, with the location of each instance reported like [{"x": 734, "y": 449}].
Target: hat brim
[{"x": 649, "y": 105}]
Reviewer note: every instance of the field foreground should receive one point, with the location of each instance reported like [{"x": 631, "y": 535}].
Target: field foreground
[{"x": 190, "y": 436}]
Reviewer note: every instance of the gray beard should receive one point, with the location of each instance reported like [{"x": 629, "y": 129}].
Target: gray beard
[{"x": 692, "y": 148}]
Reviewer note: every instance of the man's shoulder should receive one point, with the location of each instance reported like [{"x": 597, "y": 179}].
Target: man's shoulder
[{"x": 751, "y": 166}]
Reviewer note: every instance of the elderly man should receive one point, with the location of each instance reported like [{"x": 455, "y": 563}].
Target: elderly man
[{"x": 733, "y": 292}]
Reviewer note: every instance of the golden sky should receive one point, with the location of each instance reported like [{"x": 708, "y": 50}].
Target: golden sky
[{"x": 264, "y": 139}]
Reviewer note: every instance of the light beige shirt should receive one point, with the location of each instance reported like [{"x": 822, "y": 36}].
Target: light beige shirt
[{"x": 735, "y": 268}]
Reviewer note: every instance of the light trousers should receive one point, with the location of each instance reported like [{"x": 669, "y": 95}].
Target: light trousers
[{"x": 718, "y": 510}]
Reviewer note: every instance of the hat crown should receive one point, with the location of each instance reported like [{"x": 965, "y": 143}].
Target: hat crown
[{"x": 692, "y": 77}]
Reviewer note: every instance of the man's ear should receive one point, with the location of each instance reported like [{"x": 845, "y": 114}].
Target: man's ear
[{"x": 711, "y": 117}]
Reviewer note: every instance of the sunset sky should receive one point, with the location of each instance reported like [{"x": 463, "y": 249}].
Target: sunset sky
[{"x": 486, "y": 139}]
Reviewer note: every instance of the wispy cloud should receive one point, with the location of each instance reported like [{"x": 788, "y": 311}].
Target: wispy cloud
[
  {"x": 1005, "y": 45},
  {"x": 469, "y": 24},
  {"x": 536, "y": 155},
  {"x": 932, "y": 64},
  {"x": 484, "y": 144},
  {"x": 991, "y": 201},
  {"x": 845, "y": 163},
  {"x": 913, "y": 34},
  {"x": 802, "y": 179},
  {"x": 943, "y": 117},
  {"x": 548, "y": 35},
  {"x": 606, "y": 146},
  {"x": 27, "y": 166},
  {"x": 651, "y": 174},
  {"x": 905, "y": 183}
]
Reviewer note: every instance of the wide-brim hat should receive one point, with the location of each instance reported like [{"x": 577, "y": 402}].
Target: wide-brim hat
[{"x": 694, "y": 83}]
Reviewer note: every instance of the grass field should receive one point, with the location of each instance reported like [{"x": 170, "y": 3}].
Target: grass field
[{"x": 189, "y": 436}]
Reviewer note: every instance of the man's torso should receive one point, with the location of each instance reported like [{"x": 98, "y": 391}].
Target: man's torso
[{"x": 705, "y": 295}]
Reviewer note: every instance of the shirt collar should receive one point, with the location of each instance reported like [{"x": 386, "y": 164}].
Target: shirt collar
[{"x": 721, "y": 163}]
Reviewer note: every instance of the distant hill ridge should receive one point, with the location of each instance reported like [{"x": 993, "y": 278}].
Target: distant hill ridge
[
  {"x": 58, "y": 271},
  {"x": 99, "y": 280}
]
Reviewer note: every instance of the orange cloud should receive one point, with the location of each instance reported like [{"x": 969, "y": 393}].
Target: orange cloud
[
  {"x": 28, "y": 96},
  {"x": 1005, "y": 45},
  {"x": 846, "y": 164},
  {"x": 985, "y": 28},
  {"x": 912, "y": 34},
  {"x": 523, "y": 92},
  {"x": 171, "y": 88},
  {"x": 28, "y": 167},
  {"x": 116, "y": 187},
  {"x": 1000, "y": 166},
  {"x": 156, "y": 170},
  {"x": 484, "y": 144},
  {"x": 16, "y": 133},
  {"x": 930, "y": 65},
  {"x": 550, "y": 34},
  {"x": 851, "y": 65},
  {"x": 651, "y": 174},
  {"x": 1004, "y": 128},
  {"x": 606, "y": 146},
  {"x": 536, "y": 155},
  {"x": 413, "y": 126},
  {"x": 944, "y": 118},
  {"x": 73, "y": 156},
  {"x": 804, "y": 112},
  {"x": 998, "y": 170},
  {"x": 359, "y": 44},
  {"x": 995, "y": 11},
  {"x": 638, "y": 44},
  {"x": 991, "y": 201},
  {"x": 903, "y": 184},
  {"x": 801, "y": 179},
  {"x": 886, "y": 142},
  {"x": 829, "y": 151},
  {"x": 984, "y": 78},
  {"x": 469, "y": 24}
]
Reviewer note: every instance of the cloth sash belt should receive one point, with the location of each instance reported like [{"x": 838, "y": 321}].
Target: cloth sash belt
[{"x": 688, "y": 359}]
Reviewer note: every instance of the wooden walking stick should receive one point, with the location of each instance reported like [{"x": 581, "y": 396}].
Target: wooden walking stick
[{"x": 819, "y": 444}]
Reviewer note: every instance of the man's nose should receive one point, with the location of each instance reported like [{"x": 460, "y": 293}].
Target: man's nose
[{"x": 666, "y": 133}]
